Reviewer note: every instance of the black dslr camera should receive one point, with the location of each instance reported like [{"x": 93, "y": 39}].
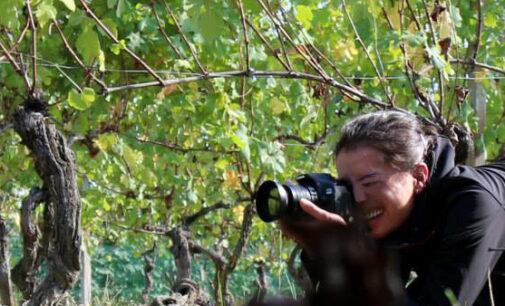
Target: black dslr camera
[{"x": 275, "y": 201}]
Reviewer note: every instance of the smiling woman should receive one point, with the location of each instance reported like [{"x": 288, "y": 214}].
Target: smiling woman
[{"x": 441, "y": 219}]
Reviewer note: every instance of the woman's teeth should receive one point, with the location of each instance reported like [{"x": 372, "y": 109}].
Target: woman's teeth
[{"x": 374, "y": 213}]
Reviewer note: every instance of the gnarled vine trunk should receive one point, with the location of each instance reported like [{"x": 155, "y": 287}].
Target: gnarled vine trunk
[
  {"x": 54, "y": 162},
  {"x": 6, "y": 297}
]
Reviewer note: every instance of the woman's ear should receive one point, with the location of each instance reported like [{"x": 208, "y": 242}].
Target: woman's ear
[{"x": 421, "y": 174}]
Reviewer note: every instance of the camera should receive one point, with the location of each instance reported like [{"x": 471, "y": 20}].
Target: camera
[{"x": 275, "y": 201}]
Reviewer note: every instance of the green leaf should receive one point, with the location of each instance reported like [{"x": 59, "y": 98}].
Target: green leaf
[
  {"x": 491, "y": 20},
  {"x": 88, "y": 45},
  {"x": 70, "y": 4},
  {"x": 119, "y": 8},
  {"x": 111, "y": 3},
  {"x": 45, "y": 12},
  {"x": 272, "y": 157},
  {"x": 9, "y": 14},
  {"x": 304, "y": 15},
  {"x": 81, "y": 101},
  {"x": 241, "y": 140},
  {"x": 75, "y": 100},
  {"x": 211, "y": 25},
  {"x": 111, "y": 25}
]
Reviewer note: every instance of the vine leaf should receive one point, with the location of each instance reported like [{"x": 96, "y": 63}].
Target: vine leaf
[
  {"x": 88, "y": 45},
  {"x": 70, "y": 4}
]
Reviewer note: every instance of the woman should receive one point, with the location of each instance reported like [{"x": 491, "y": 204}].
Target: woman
[{"x": 445, "y": 221}]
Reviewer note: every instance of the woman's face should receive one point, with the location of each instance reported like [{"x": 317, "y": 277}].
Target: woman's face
[{"x": 385, "y": 193}]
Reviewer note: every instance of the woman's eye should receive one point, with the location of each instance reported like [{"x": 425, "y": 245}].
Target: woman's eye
[{"x": 369, "y": 184}]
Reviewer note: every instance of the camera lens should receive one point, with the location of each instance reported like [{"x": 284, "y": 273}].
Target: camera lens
[{"x": 271, "y": 201}]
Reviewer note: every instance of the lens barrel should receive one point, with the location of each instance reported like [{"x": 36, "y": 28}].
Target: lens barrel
[{"x": 274, "y": 200}]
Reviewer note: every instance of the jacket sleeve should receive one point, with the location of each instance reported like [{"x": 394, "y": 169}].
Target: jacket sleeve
[{"x": 461, "y": 260}]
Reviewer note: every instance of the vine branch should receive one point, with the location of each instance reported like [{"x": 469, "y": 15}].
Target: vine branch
[
  {"x": 181, "y": 32},
  {"x": 34, "y": 46},
  {"x": 362, "y": 44},
  {"x": 114, "y": 39},
  {"x": 77, "y": 59}
]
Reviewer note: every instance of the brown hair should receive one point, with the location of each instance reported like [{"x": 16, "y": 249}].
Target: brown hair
[{"x": 401, "y": 136}]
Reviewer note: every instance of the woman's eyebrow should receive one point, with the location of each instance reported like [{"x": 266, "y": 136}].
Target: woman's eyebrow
[{"x": 369, "y": 175}]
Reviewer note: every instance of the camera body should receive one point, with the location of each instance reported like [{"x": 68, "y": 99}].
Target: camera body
[{"x": 275, "y": 201}]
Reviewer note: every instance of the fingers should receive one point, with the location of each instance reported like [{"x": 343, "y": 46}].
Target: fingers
[{"x": 321, "y": 214}]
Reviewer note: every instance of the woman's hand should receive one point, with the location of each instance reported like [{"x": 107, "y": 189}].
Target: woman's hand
[{"x": 310, "y": 234}]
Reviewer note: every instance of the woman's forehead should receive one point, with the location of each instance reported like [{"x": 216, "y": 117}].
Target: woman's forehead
[{"x": 360, "y": 161}]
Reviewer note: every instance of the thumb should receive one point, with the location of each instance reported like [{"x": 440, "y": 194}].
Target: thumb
[{"x": 321, "y": 214}]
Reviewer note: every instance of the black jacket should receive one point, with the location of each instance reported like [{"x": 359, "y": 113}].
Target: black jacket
[
  {"x": 450, "y": 239},
  {"x": 452, "y": 234}
]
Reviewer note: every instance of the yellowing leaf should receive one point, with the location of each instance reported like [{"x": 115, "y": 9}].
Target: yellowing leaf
[
  {"x": 481, "y": 73},
  {"x": 238, "y": 212},
  {"x": 221, "y": 164},
  {"x": 304, "y": 15},
  {"x": 105, "y": 140},
  {"x": 394, "y": 15},
  {"x": 88, "y": 94},
  {"x": 231, "y": 180},
  {"x": 445, "y": 25},
  {"x": 132, "y": 157},
  {"x": 277, "y": 107}
]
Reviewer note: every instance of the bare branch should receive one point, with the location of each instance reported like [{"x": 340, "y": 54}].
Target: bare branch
[
  {"x": 114, "y": 39},
  {"x": 390, "y": 23},
  {"x": 15, "y": 65},
  {"x": 77, "y": 59},
  {"x": 188, "y": 220},
  {"x": 163, "y": 33},
  {"x": 69, "y": 79},
  {"x": 310, "y": 145},
  {"x": 478, "y": 38},
  {"x": 148, "y": 269},
  {"x": 190, "y": 46},
  {"x": 244, "y": 235},
  {"x": 477, "y": 64},
  {"x": 361, "y": 97},
  {"x": 240, "y": 5},
  {"x": 20, "y": 38},
  {"x": 265, "y": 42},
  {"x": 217, "y": 258},
  {"x": 34, "y": 46},
  {"x": 423, "y": 101},
  {"x": 306, "y": 57},
  {"x": 323, "y": 56},
  {"x": 176, "y": 147},
  {"x": 358, "y": 37},
  {"x": 439, "y": 73},
  {"x": 283, "y": 48},
  {"x": 414, "y": 17}
]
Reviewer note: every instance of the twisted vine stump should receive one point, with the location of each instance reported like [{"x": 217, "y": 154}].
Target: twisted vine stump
[
  {"x": 54, "y": 163},
  {"x": 6, "y": 297}
]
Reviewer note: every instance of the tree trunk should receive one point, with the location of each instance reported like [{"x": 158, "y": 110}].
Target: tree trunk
[
  {"x": 6, "y": 297},
  {"x": 24, "y": 274},
  {"x": 54, "y": 163}
]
